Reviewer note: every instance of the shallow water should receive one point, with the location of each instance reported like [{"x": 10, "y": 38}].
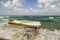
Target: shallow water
[{"x": 15, "y": 32}]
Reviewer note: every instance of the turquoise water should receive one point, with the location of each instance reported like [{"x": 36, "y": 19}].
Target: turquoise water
[{"x": 46, "y": 21}]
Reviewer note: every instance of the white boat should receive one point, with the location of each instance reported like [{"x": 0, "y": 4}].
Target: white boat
[{"x": 25, "y": 23}]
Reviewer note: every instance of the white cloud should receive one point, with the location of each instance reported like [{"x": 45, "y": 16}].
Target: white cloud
[
  {"x": 17, "y": 3},
  {"x": 44, "y": 6},
  {"x": 8, "y": 4},
  {"x": 17, "y": 7},
  {"x": 44, "y": 1},
  {"x": 13, "y": 3},
  {"x": 30, "y": 9},
  {"x": 50, "y": 5}
]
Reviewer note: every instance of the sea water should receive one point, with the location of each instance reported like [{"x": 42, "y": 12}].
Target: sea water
[{"x": 15, "y": 32}]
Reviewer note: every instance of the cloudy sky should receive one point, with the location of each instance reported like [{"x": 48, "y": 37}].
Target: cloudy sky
[{"x": 29, "y": 7}]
